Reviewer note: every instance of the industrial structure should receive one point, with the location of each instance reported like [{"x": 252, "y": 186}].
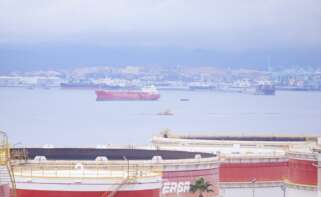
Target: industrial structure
[
  {"x": 291, "y": 163},
  {"x": 111, "y": 171},
  {"x": 169, "y": 167},
  {"x": 7, "y": 180}
]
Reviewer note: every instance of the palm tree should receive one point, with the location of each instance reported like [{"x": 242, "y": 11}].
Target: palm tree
[{"x": 200, "y": 185}]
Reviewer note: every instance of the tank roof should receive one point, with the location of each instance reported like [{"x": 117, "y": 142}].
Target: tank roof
[
  {"x": 110, "y": 153},
  {"x": 251, "y": 138}
]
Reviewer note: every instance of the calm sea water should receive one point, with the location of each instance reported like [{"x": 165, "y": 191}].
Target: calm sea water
[{"x": 74, "y": 118}]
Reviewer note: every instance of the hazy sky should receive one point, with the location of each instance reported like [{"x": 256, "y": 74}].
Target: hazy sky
[
  {"x": 221, "y": 25},
  {"x": 188, "y": 23}
]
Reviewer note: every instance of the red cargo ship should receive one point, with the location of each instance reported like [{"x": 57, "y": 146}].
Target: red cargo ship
[{"x": 149, "y": 93}]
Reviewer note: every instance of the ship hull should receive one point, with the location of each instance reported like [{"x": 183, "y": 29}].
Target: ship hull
[
  {"x": 129, "y": 95},
  {"x": 265, "y": 90}
]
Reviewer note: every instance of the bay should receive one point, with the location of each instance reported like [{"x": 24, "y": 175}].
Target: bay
[{"x": 74, "y": 118}]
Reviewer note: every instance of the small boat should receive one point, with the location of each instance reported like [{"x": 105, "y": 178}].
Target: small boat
[
  {"x": 166, "y": 113},
  {"x": 265, "y": 89},
  {"x": 184, "y": 99}
]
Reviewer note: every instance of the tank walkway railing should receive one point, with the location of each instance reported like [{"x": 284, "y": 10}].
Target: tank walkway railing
[
  {"x": 253, "y": 159},
  {"x": 79, "y": 170},
  {"x": 102, "y": 169},
  {"x": 6, "y": 171},
  {"x": 266, "y": 184},
  {"x": 259, "y": 184},
  {"x": 301, "y": 155}
]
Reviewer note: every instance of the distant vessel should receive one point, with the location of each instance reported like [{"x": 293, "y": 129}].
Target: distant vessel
[
  {"x": 265, "y": 89},
  {"x": 201, "y": 86},
  {"x": 184, "y": 99},
  {"x": 80, "y": 85},
  {"x": 148, "y": 93},
  {"x": 74, "y": 85}
]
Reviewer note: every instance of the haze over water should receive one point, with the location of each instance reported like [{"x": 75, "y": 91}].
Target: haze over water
[{"x": 74, "y": 118}]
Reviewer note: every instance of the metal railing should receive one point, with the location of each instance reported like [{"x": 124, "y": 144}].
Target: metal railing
[
  {"x": 119, "y": 174},
  {"x": 7, "y": 174},
  {"x": 249, "y": 184},
  {"x": 82, "y": 170},
  {"x": 4, "y": 149}
]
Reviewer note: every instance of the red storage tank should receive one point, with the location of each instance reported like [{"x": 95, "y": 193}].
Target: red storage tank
[
  {"x": 177, "y": 183},
  {"x": 303, "y": 172},
  {"x": 4, "y": 190},
  {"x": 125, "y": 172},
  {"x": 245, "y": 172}
]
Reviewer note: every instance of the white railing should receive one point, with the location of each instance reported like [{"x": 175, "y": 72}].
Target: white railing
[{"x": 80, "y": 170}]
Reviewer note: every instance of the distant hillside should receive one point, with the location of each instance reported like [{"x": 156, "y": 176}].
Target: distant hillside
[{"x": 66, "y": 57}]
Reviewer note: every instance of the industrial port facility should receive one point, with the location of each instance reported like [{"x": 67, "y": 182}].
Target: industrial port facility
[{"x": 172, "y": 165}]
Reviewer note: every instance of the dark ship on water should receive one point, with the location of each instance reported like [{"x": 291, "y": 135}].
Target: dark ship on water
[{"x": 265, "y": 89}]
